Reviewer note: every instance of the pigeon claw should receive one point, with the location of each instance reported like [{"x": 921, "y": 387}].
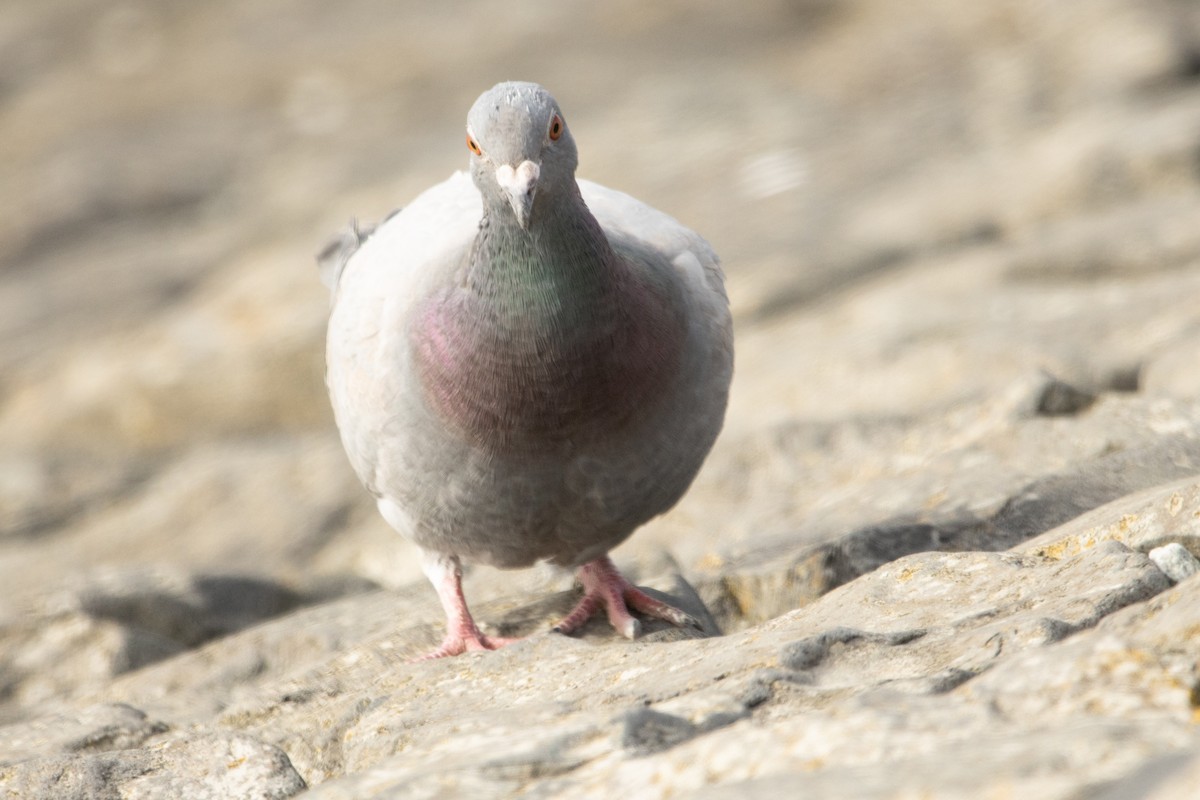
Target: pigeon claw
[
  {"x": 455, "y": 644},
  {"x": 605, "y": 587}
]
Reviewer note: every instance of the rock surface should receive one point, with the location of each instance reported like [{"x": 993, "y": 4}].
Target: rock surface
[{"x": 945, "y": 537}]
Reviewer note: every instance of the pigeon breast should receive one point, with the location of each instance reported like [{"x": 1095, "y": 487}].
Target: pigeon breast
[{"x": 543, "y": 348}]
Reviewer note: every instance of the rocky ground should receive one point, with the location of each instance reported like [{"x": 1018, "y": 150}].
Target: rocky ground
[{"x": 944, "y": 547}]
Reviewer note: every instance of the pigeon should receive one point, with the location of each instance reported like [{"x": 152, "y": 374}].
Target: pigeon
[{"x": 525, "y": 367}]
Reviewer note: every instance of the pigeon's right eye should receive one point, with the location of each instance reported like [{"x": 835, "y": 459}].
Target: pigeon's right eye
[{"x": 472, "y": 146}]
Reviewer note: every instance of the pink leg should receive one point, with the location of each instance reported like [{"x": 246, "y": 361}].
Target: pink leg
[
  {"x": 462, "y": 634},
  {"x": 604, "y": 586}
]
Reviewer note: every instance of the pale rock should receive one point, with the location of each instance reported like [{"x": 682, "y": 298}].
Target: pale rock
[{"x": 1175, "y": 561}]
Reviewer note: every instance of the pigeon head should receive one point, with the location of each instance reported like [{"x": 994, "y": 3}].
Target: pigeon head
[{"x": 521, "y": 149}]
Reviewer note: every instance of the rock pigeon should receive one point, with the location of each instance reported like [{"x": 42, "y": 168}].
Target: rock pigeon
[{"x": 525, "y": 367}]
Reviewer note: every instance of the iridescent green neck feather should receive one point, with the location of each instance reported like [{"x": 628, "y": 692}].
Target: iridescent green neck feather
[
  {"x": 548, "y": 278},
  {"x": 547, "y": 337}
]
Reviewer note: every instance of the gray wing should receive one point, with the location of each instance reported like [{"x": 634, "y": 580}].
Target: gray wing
[
  {"x": 631, "y": 225},
  {"x": 379, "y": 276}
]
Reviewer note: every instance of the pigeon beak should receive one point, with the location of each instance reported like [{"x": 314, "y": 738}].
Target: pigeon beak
[{"x": 519, "y": 185}]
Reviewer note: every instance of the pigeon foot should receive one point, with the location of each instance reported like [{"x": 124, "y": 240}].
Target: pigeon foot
[
  {"x": 458, "y": 642},
  {"x": 605, "y": 587},
  {"x": 462, "y": 634}
]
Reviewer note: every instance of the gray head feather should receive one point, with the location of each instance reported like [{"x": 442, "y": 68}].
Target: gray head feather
[{"x": 526, "y": 150}]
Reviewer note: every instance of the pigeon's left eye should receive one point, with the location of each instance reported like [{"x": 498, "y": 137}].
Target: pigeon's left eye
[{"x": 556, "y": 128}]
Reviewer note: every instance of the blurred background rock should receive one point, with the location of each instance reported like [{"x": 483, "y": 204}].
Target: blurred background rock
[{"x": 934, "y": 216}]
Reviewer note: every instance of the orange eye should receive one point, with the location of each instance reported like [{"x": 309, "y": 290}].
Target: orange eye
[
  {"x": 473, "y": 147},
  {"x": 556, "y": 128}
]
